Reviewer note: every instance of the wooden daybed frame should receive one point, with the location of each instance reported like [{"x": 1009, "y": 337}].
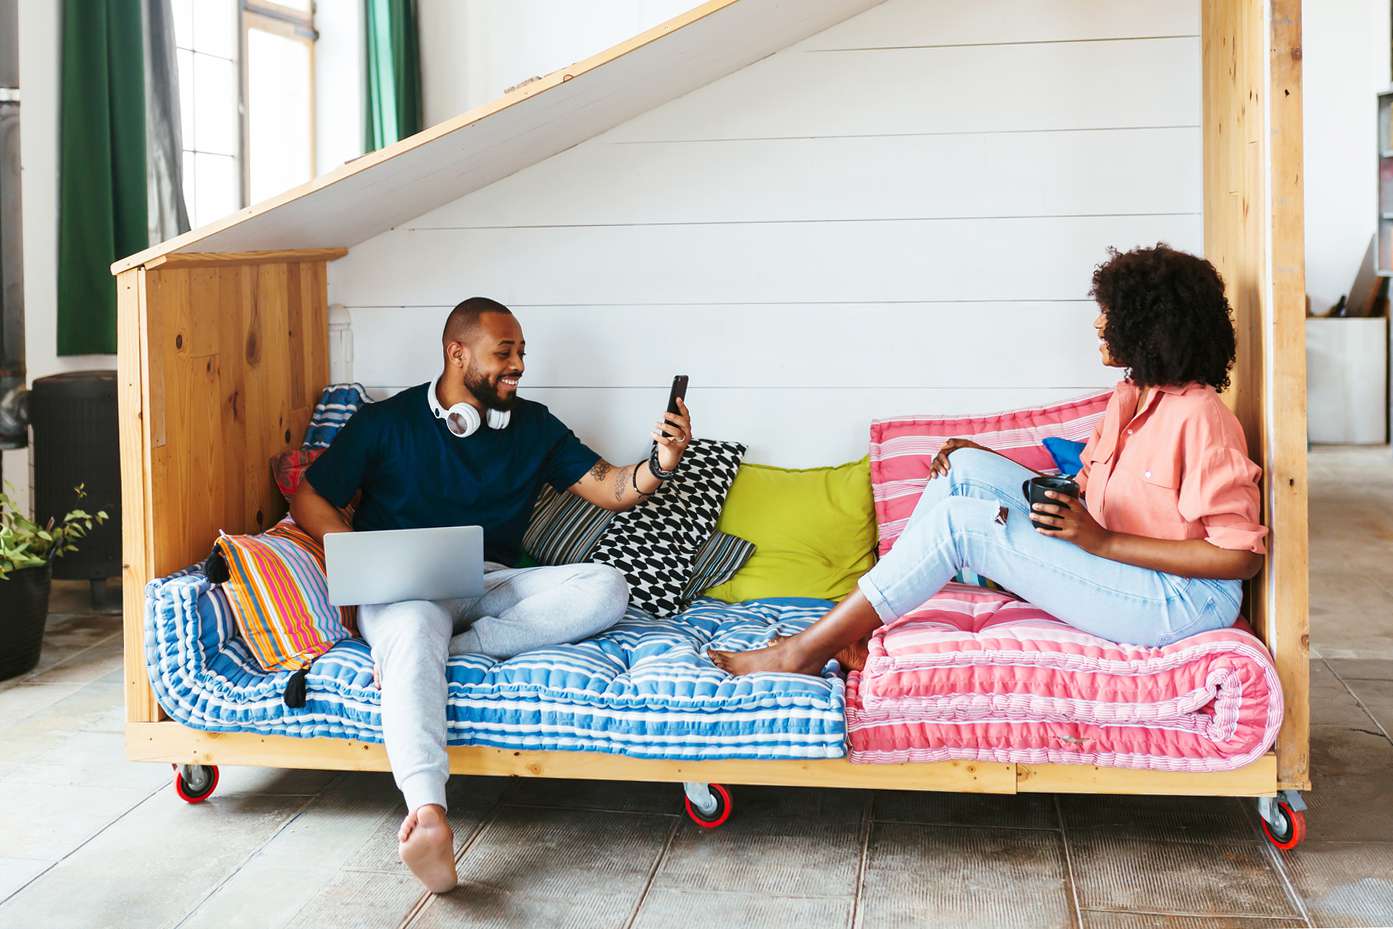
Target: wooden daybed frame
[{"x": 223, "y": 344}]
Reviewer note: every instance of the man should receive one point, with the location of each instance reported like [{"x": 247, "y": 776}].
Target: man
[{"x": 466, "y": 450}]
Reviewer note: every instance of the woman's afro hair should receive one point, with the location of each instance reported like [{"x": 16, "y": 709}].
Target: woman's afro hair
[{"x": 1167, "y": 319}]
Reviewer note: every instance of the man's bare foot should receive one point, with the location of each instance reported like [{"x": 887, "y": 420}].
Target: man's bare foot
[
  {"x": 782, "y": 654},
  {"x": 427, "y": 847}
]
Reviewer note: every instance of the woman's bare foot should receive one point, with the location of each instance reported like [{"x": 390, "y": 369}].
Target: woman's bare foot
[
  {"x": 853, "y": 657},
  {"x": 783, "y": 654},
  {"x": 427, "y": 847}
]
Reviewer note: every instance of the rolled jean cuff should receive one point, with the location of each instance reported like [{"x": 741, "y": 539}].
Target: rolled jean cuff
[
  {"x": 876, "y": 599},
  {"x": 421, "y": 789}
]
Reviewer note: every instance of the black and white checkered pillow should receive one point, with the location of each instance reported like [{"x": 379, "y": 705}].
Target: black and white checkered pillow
[{"x": 655, "y": 544}]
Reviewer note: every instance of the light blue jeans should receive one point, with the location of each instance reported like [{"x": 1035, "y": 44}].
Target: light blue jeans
[{"x": 955, "y": 526}]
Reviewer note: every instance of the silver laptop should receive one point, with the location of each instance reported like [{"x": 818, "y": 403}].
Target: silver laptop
[{"x": 405, "y": 564}]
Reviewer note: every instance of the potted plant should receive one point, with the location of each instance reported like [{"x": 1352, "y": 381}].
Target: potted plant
[{"x": 27, "y": 551}]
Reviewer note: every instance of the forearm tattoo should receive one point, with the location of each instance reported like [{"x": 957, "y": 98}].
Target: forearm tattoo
[
  {"x": 601, "y": 470},
  {"x": 621, "y": 484}
]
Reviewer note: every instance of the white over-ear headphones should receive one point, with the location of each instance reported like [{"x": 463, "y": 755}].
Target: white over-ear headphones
[{"x": 462, "y": 419}]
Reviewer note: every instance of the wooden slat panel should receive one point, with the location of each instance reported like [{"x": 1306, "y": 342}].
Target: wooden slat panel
[
  {"x": 1252, "y": 133},
  {"x": 234, "y": 307},
  {"x": 133, "y": 425},
  {"x": 315, "y": 372},
  {"x": 234, "y": 259},
  {"x": 234, "y": 385}
]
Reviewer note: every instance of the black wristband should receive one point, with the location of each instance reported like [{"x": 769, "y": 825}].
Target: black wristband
[
  {"x": 633, "y": 475},
  {"x": 655, "y": 468}
]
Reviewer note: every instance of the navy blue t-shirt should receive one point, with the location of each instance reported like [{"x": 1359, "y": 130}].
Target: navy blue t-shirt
[{"x": 415, "y": 473}]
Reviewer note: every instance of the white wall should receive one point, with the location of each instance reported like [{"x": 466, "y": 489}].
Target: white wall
[
  {"x": 1345, "y": 61},
  {"x": 473, "y": 50},
  {"x": 898, "y": 215}
]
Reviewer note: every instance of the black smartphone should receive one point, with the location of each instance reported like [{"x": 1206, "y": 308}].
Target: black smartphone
[{"x": 679, "y": 392}]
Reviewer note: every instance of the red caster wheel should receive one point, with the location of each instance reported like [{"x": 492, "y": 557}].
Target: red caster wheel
[
  {"x": 708, "y": 805},
  {"x": 195, "y": 783},
  {"x": 1286, "y": 828}
]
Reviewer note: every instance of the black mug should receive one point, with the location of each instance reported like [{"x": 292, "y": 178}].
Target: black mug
[{"x": 1034, "y": 492}]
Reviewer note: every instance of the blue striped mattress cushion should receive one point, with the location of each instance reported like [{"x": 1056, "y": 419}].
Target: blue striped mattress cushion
[{"x": 643, "y": 688}]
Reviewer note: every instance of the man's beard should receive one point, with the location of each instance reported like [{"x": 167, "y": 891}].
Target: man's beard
[{"x": 486, "y": 392}]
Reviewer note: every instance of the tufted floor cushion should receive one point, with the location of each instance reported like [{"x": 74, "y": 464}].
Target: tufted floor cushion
[{"x": 643, "y": 688}]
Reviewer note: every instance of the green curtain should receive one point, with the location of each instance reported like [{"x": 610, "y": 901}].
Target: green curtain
[
  {"x": 101, "y": 183},
  {"x": 393, "y": 97}
]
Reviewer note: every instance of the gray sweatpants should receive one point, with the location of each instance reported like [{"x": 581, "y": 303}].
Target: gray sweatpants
[{"x": 521, "y": 609}]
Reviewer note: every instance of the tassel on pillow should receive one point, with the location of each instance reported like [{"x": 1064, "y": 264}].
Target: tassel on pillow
[{"x": 295, "y": 688}]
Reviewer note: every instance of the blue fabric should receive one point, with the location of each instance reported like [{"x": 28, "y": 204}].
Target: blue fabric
[
  {"x": 955, "y": 524},
  {"x": 643, "y": 688},
  {"x": 1065, "y": 453},
  {"x": 336, "y": 405},
  {"x": 415, "y": 473}
]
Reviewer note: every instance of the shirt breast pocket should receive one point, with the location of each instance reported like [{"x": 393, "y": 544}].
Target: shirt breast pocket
[{"x": 1162, "y": 479}]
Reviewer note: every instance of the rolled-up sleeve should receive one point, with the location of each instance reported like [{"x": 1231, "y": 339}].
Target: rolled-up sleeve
[{"x": 1220, "y": 492}]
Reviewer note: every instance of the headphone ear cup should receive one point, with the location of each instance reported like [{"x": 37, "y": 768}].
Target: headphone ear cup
[
  {"x": 498, "y": 419},
  {"x": 462, "y": 420}
]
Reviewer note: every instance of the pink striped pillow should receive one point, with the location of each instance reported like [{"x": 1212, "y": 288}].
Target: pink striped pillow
[{"x": 903, "y": 448}]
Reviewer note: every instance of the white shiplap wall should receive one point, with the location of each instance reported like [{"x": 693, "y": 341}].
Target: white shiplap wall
[{"x": 898, "y": 215}]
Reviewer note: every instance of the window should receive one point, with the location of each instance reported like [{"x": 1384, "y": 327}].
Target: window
[
  {"x": 205, "y": 37},
  {"x": 246, "y": 88},
  {"x": 279, "y": 93}
]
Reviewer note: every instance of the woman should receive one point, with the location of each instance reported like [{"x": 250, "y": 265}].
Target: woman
[{"x": 1168, "y": 527}]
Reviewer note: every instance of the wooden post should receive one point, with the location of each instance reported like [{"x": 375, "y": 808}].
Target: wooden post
[
  {"x": 136, "y": 553},
  {"x": 1254, "y": 234}
]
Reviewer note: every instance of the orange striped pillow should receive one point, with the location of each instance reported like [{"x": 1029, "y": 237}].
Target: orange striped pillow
[{"x": 279, "y": 596}]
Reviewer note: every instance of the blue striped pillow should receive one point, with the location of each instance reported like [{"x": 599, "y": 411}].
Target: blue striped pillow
[{"x": 336, "y": 404}]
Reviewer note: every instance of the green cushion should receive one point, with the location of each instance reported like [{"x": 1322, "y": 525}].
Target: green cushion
[{"x": 814, "y": 531}]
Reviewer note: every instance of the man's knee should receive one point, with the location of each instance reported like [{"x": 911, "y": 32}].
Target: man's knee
[
  {"x": 419, "y": 628},
  {"x": 606, "y": 594}
]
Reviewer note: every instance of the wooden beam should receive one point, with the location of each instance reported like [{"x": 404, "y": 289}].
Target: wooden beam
[
  {"x": 1287, "y": 485},
  {"x": 1254, "y": 235},
  {"x": 219, "y": 259},
  {"x": 172, "y": 742},
  {"x": 1254, "y": 780},
  {"x": 136, "y": 570}
]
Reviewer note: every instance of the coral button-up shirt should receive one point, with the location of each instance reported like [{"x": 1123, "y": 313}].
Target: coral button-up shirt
[{"x": 1178, "y": 469}]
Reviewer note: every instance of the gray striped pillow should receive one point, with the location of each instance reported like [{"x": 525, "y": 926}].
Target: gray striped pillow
[
  {"x": 716, "y": 562},
  {"x": 565, "y": 529}
]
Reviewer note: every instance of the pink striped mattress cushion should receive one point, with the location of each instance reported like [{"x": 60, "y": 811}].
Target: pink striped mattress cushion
[
  {"x": 903, "y": 448},
  {"x": 978, "y": 674}
]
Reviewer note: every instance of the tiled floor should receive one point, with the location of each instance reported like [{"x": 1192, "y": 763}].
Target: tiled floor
[{"x": 89, "y": 840}]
